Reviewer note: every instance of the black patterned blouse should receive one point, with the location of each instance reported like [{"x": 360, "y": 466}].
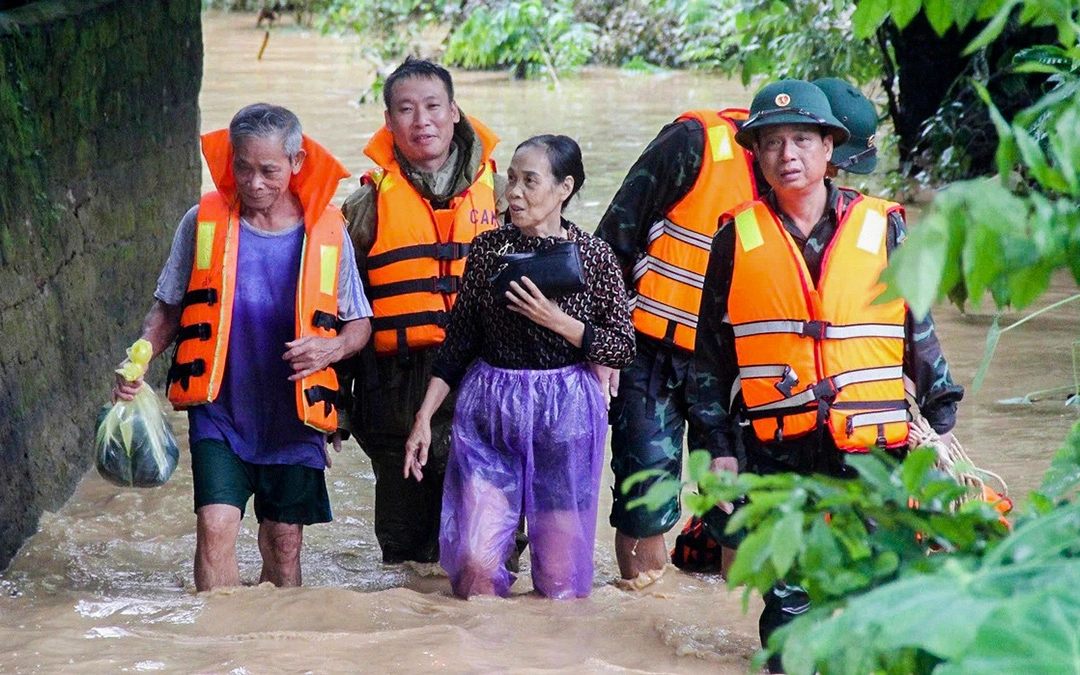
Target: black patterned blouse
[{"x": 482, "y": 327}]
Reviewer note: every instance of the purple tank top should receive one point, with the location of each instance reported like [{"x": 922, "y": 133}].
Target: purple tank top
[{"x": 255, "y": 413}]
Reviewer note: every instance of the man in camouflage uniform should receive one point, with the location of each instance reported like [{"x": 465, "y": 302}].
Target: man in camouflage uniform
[
  {"x": 792, "y": 130},
  {"x": 441, "y": 155},
  {"x": 659, "y": 225}
]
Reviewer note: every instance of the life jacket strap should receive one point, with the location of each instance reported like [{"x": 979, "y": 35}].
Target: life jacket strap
[
  {"x": 445, "y": 284},
  {"x": 432, "y": 318},
  {"x": 826, "y": 390},
  {"x": 446, "y": 251},
  {"x": 666, "y": 311},
  {"x": 818, "y": 330},
  {"x": 877, "y": 418},
  {"x": 320, "y": 394},
  {"x": 196, "y": 331},
  {"x": 201, "y": 296},
  {"x": 674, "y": 272},
  {"x": 182, "y": 373}
]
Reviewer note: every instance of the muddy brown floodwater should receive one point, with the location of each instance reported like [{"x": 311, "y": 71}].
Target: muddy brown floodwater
[{"x": 106, "y": 586}]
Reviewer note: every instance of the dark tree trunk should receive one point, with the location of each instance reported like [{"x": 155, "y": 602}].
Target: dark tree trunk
[
  {"x": 926, "y": 66},
  {"x": 925, "y": 80}
]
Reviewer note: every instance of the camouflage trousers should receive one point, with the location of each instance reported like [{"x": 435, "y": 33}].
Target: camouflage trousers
[{"x": 648, "y": 423}]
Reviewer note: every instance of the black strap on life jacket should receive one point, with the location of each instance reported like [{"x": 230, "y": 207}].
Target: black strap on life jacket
[
  {"x": 183, "y": 372},
  {"x": 449, "y": 251},
  {"x": 196, "y": 331},
  {"x": 445, "y": 284},
  {"x": 321, "y": 394},
  {"x": 201, "y": 296},
  {"x": 438, "y": 318}
]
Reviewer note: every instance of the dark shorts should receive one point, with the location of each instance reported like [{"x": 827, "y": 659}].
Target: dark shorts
[{"x": 283, "y": 493}]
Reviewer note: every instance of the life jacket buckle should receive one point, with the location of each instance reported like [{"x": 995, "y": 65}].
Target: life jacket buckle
[
  {"x": 325, "y": 321},
  {"x": 825, "y": 390},
  {"x": 814, "y": 329},
  {"x": 451, "y": 251},
  {"x": 182, "y": 373},
  {"x": 788, "y": 382},
  {"x": 447, "y": 284},
  {"x": 321, "y": 394}
]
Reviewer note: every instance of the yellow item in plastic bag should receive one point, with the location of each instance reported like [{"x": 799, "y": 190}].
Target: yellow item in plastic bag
[
  {"x": 138, "y": 360},
  {"x": 135, "y": 445}
]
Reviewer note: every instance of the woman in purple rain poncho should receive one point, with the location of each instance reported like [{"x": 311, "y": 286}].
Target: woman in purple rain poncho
[{"x": 531, "y": 418}]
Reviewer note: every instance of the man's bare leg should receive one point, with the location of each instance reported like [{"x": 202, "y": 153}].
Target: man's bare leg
[
  {"x": 637, "y": 556},
  {"x": 727, "y": 557},
  {"x": 280, "y": 544},
  {"x": 216, "y": 528}
]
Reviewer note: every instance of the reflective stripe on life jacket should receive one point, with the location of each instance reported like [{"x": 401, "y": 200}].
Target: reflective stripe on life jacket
[
  {"x": 669, "y": 276},
  {"x": 810, "y": 354},
  {"x": 415, "y": 265},
  {"x": 202, "y": 345}
]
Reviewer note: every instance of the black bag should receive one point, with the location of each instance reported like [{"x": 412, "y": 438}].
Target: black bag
[{"x": 556, "y": 271}]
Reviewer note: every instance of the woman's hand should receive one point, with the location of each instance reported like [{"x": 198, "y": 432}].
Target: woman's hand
[
  {"x": 416, "y": 447},
  {"x": 527, "y": 299},
  {"x": 609, "y": 380}
]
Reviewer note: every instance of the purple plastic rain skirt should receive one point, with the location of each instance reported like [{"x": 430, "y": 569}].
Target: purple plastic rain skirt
[{"x": 531, "y": 439}]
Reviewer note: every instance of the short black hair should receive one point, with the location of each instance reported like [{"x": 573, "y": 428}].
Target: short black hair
[
  {"x": 564, "y": 155},
  {"x": 413, "y": 67}
]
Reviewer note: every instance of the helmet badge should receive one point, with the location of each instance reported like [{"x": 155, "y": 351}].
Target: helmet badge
[{"x": 782, "y": 100}]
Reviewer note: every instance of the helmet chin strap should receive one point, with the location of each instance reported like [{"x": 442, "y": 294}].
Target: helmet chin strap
[{"x": 856, "y": 158}]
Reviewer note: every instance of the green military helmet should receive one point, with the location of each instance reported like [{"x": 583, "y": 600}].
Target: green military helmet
[
  {"x": 790, "y": 102},
  {"x": 857, "y": 113}
]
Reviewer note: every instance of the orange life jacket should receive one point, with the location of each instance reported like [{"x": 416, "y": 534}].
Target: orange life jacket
[
  {"x": 669, "y": 276},
  {"x": 809, "y": 355},
  {"x": 199, "y": 361},
  {"x": 414, "y": 267}
]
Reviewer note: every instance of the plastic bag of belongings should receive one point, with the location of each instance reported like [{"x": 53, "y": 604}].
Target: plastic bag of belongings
[{"x": 135, "y": 446}]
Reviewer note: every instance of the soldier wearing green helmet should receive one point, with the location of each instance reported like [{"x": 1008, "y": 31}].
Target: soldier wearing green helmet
[
  {"x": 794, "y": 365},
  {"x": 857, "y": 113}
]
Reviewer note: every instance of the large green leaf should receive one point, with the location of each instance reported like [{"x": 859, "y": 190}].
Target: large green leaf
[
  {"x": 1034, "y": 634},
  {"x": 915, "y": 269},
  {"x": 903, "y": 11},
  {"x": 940, "y": 15},
  {"x": 1064, "y": 473},
  {"x": 787, "y": 539},
  {"x": 869, "y": 14},
  {"x": 992, "y": 29}
]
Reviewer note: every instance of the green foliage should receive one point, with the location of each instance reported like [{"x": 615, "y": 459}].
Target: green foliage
[
  {"x": 1006, "y": 236},
  {"x": 899, "y": 580},
  {"x": 534, "y": 38},
  {"x": 390, "y": 28},
  {"x": 779, "y": 38},
  {"x": 942, "y": 14},
  {"x": 635, "y": 31}
]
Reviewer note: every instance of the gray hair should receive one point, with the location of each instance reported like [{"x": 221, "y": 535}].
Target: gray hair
[{"x": 262, "y": 120}]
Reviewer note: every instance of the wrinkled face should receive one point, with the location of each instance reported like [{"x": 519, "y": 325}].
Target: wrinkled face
[
  {"x": 263, "y": 170},
  {"x": 793, "y": 156},
  {"x": 533, "y": 194},
  {"x": 422, "y": 118}
]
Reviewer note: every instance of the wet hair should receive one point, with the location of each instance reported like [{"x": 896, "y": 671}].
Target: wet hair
[
  {"x": 564, "y": 155},
  {"x": 262, "y": 120},
  {"x": 411, "y": 68}
]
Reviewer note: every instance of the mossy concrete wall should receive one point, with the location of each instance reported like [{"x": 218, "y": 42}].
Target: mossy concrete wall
[{"x": 98, "y": 160}]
